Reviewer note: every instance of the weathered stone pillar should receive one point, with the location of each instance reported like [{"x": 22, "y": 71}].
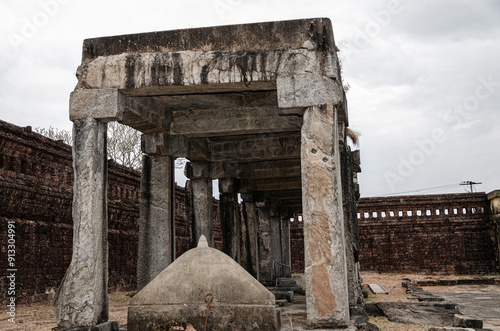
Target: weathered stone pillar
[
  {"x": 325, "y": 266},
  {"x": 251, "y": 232},
  {"x": 286, "y": 257},
  {"x": 229, "y": 216},
  {"x": 201, "y": 186},
  {"x": 82, "y": 297},
  {"x": 350, "y": 224},
  {"x": 157, "y": 218},
  {"x": 265, "y": 258},
  {"x": 494, "y": 198},
  {"x": 275, "y": 239}
]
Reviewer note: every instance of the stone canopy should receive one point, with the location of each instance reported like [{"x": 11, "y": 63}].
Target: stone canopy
[{"x": 261, "y": 107}]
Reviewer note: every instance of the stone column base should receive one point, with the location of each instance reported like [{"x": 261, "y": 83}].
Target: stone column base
[{"x": 107, "y": 326}]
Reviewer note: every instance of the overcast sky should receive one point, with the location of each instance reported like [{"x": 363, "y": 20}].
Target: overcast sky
[{"x": 424, "y": 75}]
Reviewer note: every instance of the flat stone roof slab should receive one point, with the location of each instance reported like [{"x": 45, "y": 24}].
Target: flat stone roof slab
[{"x": 293, "y": 34}]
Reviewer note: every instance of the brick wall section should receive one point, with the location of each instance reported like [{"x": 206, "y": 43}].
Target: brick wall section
[
  {"x": 446, "y": 233},
  {"x": 36, "y": 183}
]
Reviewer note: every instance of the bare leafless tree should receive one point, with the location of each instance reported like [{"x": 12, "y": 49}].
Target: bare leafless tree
[{"x": 124, "y": 143}]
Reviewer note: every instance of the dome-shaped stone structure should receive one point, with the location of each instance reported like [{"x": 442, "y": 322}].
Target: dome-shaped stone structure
[{"x": 177, "y": 295}]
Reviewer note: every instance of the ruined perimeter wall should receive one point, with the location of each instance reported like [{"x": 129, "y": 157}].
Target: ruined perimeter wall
[
  {"x": 36, "y": 184},
  {"x": 449, "y": 233}
]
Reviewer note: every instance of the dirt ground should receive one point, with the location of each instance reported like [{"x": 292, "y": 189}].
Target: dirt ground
[
  {"x": 40, "y": 316},
  {"x": 392, "y": 284}
]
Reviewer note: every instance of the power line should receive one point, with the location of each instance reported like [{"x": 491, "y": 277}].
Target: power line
[
  {"x": 422, "y": 190},
  {"x": 471, "y": 184}
]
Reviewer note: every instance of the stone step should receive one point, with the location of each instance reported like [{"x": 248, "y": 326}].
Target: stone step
[
  {"x": 281, "y": 303},
  {"x": 287, "y": 283},
  {"x": 467, "y": 322},
  {"x": 295, "y": 289},
  {"x": 286, "y": 295}
]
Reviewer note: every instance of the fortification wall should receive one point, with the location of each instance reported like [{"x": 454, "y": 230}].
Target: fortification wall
[
  {"x": 36, "y": 184},
  {"x": 448, "y": 233}
]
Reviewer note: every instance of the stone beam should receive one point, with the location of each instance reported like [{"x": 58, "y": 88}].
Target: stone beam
[
  {"x": 82, "y": 297},
  {"x": 198, "y": 149},
  {"x": 256, "y": 148},
  {"x": 292, "y": 203},
  {"x": 264, "y": 98},
  {"x": 104, "y": 104},
  {"x": 292, "y": 183},
  {"x": 165, "y": 144},
  {"x": 146, "y": 115},
  {"x": 256, "y": 170},
  {"x": 232, "y": 121},
  {"x": 194, "y": 72},
  {"x": 324, "y": 243},
  {"x": 281, "y": 195}
]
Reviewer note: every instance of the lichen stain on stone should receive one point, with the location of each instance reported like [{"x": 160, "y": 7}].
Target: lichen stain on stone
[{"x": 323, "y": 295}]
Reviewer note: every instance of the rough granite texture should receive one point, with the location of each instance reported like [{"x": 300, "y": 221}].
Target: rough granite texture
[
  {"x": 82, "y": 297},
  {"x": 325, "y": 259}
]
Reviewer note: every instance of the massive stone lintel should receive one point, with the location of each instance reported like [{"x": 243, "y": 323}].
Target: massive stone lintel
[
  {"x": 104, "y": 104},
  {"x": 256, "y": 148},
  {"x": 256, "y": 170},
  {"x": 325, "y": 266},
  {"x": 146, "y": 115},
  {"x": 82, "y": 297},
  {"x": 165, "y": 144},
  {"x": 157, "y": 219},
  {"x": 232, "y": 121}
]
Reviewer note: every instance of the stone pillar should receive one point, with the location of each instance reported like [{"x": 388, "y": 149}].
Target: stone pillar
[
  {"x": 252, "y": 241},
  {"x": 157, "y": 218},
  {"x": 286, "y": 257},
  {"x": 350, "y": 225},
  {"x": 82, "y": 297},
  {"x": 264, "y": 233},
  {"x": 324, "y": 245},
  {"x": 229, "y": 216},
  {"x": 494, "y": 198},
  {"x": 201, "y": 186},
  {"x": 275, "y": 239}
]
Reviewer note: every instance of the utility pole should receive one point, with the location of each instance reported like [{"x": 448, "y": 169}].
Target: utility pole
[{"x": 470, "y": 183}]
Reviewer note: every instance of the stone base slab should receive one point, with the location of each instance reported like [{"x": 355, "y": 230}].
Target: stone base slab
[
  {"x": 221, "y": 317},
  {"x": 108, "y": 326}
]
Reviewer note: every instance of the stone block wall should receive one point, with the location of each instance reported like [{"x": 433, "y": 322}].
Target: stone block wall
[
  {"x": 36, "y": 183},
  {"x": 446, "y": 233}
]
